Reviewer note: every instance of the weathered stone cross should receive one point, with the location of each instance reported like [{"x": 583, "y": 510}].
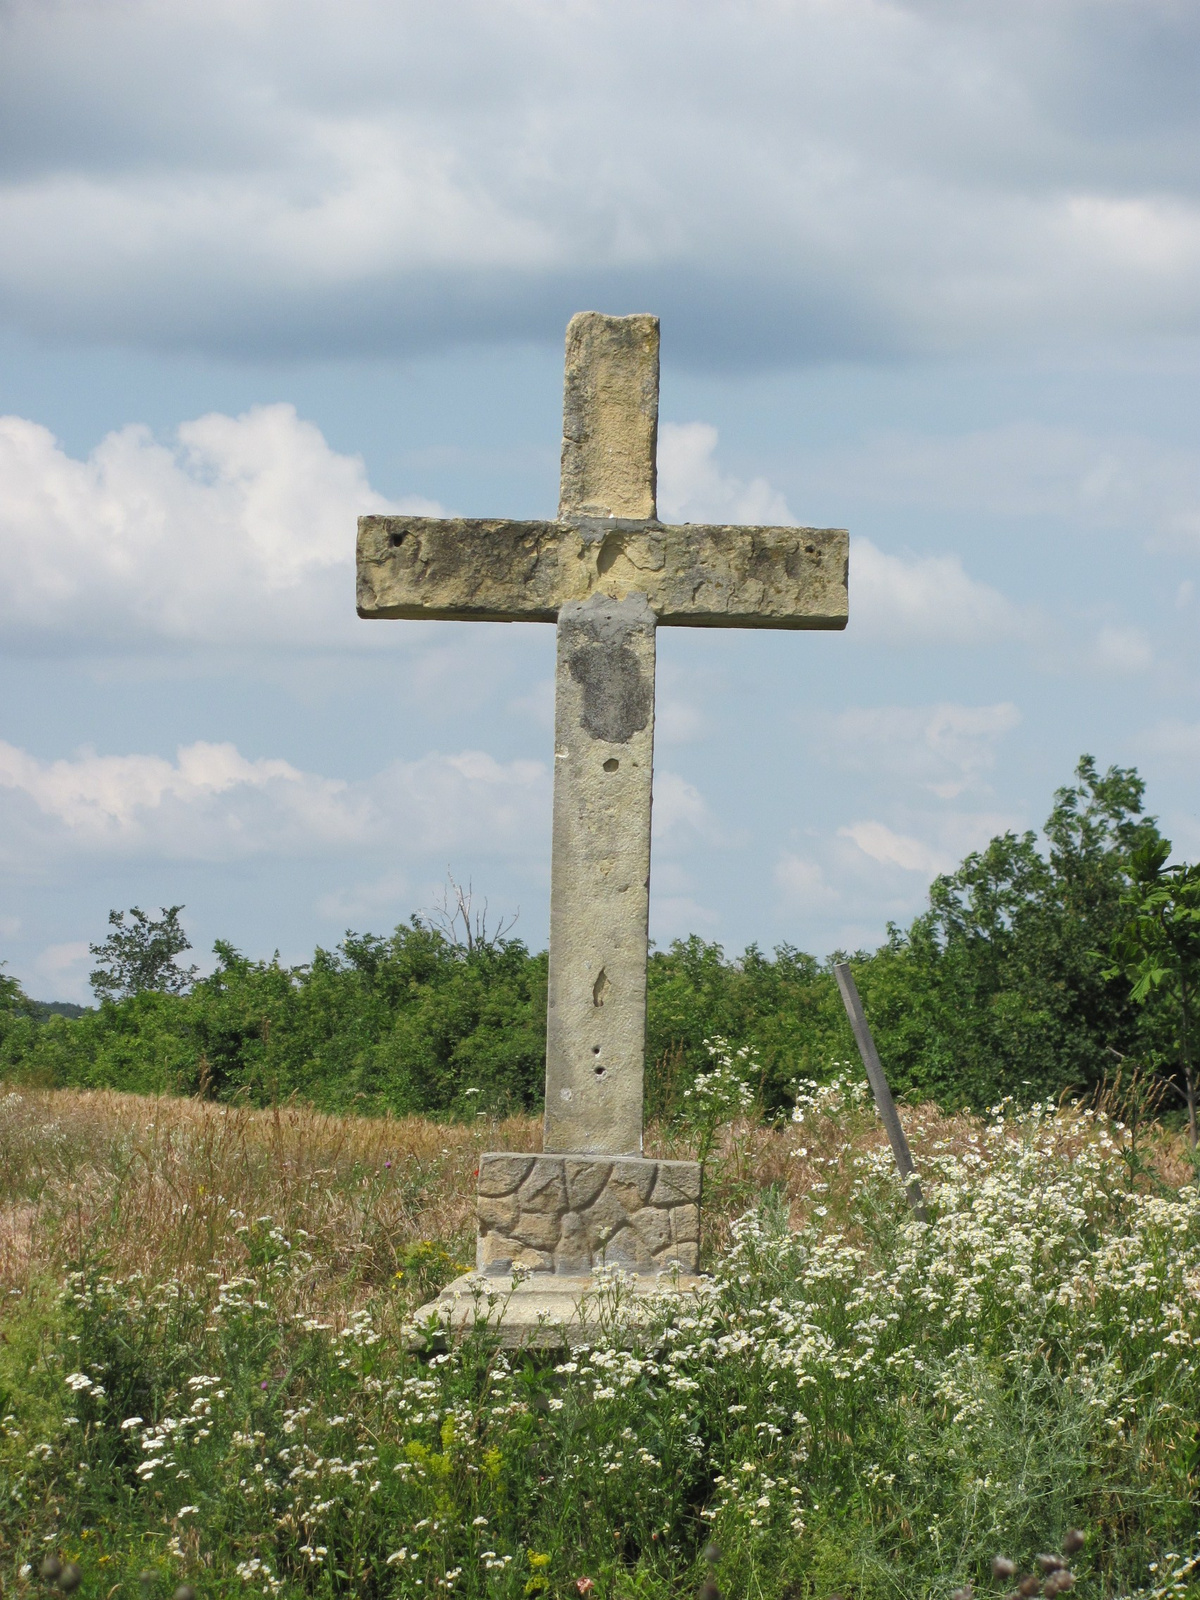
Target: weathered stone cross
[{"x": 608, "y": 572}]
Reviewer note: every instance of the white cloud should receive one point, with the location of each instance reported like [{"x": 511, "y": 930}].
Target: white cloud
[
  {"x": 210, "y": 803},
  {"x": 877, "y": 840},
  {"x": 802, "y": 881},
  {"x": 688, "y": 687},
  {"x": 878, "y": 176},
  {"x": 691, "y": 487},
  {"x": 928, "y": 772},
  {"x": 1121, "y": 651},
  {"x": 1174, "y": 739},
  {"x": 676, "y": 720},
  {"x": 63, "y": 961},
  {"x": 538, "y": 704},
  {"x": 925, "y": 600},
  {"x": 932, "y": 842},
  {"x": 946, "y": 748},
  {"x": 213, "y": 804},
  {"x": 681, "y": 813},
  {"x": 898, "y": 599},
  {"x": 241, "y": 530},
  {"x": 387, "y": 893},
  {"x": 675, "y": 916}
]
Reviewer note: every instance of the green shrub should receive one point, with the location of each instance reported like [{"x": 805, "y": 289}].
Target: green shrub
[{"x": 998, "y": 988}]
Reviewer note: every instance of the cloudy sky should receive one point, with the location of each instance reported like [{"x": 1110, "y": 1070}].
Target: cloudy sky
[{"x": 926, "y": 270}]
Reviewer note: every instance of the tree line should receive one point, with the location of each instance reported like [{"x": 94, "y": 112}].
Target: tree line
[{"x": 1039, "y": 967}]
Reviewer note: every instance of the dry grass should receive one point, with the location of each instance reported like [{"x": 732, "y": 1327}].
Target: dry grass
[{"x": 159, "y": 1185}]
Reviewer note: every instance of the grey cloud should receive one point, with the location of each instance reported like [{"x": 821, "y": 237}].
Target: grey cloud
[{"x": 783, "y": 183}]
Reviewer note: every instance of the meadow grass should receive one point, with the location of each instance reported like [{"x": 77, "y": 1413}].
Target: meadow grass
[{"x": 202, "y": 1379}]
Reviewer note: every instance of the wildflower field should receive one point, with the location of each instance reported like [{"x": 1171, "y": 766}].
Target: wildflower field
[{"x": 202, "y": 1381}]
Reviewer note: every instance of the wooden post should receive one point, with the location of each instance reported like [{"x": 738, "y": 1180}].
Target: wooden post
[{"x": 879, "y": 1088}]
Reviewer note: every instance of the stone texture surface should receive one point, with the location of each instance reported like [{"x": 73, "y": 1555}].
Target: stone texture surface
[
  {"x": 570, "y": 1215},
  {"x": 693, "y": 575},
  {"x": 548, "y": 1313},
  {"x": 610, "y": 417},
  {"x": 600, "y": 877}
]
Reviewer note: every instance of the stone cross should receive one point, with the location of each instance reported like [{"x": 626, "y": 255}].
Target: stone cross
[{"x": 608, "y": 572}]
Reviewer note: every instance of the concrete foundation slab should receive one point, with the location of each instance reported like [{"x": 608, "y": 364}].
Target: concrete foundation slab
[{"x": 550, "y": 1311}]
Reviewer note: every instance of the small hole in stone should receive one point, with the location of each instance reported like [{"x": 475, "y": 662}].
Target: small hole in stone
[
  {"x": 396, "y": 538},
  {"x": 599, "y": 1071},
  {"x": 611, "y": 764},
  {"x": 595, "y": 1049}
]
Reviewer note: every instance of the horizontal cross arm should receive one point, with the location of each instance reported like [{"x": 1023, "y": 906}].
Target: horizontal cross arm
[
  {"x": 457, "y": 569},
  {"x": 693, "y": 574}
]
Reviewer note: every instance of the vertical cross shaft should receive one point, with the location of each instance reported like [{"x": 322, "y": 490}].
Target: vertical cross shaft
[
  {"x": 609, "y": 572},
  {"x": 603, "y": 757}
]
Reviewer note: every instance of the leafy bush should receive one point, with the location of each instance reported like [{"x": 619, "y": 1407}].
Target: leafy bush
[{"x": 407, "y": 1023}]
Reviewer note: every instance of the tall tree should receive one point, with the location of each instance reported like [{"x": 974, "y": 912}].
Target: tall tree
[
  {"x": 140, "y": 955},
  {"x": 13, "y": 998},
  {"x": 1157, "y": 947},
  {"x": 999, "y": 987}
]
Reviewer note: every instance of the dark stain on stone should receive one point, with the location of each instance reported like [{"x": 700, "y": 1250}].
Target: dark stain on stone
[{"x": 616, "y": 695}]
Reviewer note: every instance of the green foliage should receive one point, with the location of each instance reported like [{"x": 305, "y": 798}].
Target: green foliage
[
  {"x": 998, "y": 988},
  {"x": 13, "y": 999},
  {"x": 864, "y": 1404},
  {"x": 1157, "y": 947},
  {"x": 138, "y": 957},
  {"x": 407, "y": 1023},
  {"x": 785, "y": 1007},
  {"x": 18, "y": 1026}
]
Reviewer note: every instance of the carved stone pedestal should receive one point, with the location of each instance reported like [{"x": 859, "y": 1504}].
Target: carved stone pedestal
[
  {"x": 571, "y": 1214},
  {"x": 549, "y": 1223}
]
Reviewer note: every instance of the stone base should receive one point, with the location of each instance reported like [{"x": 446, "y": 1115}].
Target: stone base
[
  {"x": 570, "y": 1215},
  {"x": 546, "y": 1311}
]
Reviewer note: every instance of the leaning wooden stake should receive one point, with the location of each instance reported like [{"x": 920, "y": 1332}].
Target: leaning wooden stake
[{"x": 879, "y": 1088}]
